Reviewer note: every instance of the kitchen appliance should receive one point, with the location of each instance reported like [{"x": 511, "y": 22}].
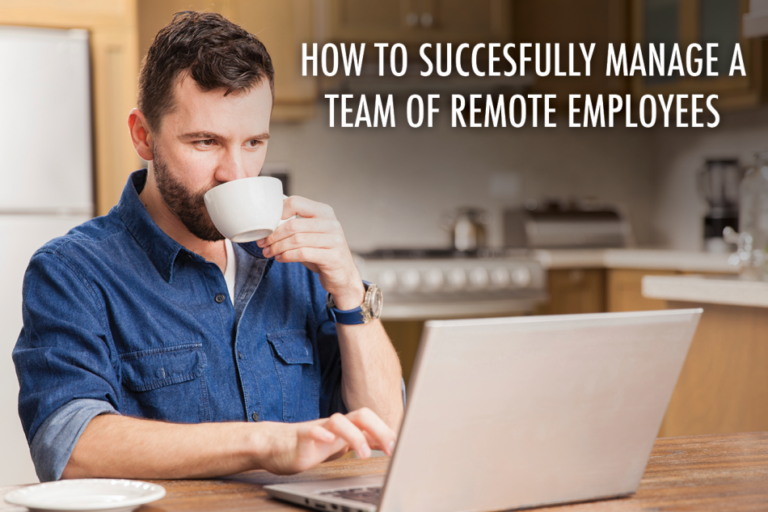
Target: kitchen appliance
[
  {"x": 719, "y": 185},
  {"x": 467, "y": 228},
  {"x": 752, "y": 240},
  {"x": 554, "y": 225},
  {"x": 47, "y": 185},
  {"x": 420, "y": 284}
]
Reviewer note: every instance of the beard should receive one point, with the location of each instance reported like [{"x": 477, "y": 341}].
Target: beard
[{"x": 187, "y": 206}]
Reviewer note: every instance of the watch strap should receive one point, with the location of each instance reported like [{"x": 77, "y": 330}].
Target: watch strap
[{"x": 347, "y": 317}]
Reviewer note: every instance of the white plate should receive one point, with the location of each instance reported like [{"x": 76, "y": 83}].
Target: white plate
[{"x": 90, "y": 495}]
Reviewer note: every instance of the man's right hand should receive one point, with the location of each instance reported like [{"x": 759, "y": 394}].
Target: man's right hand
[
  {"x": 296, "y": 447},
  {"x": 114, "y": 446}
]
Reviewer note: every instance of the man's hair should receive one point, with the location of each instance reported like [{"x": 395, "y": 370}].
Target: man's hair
[{"x": 215, "y": 52}]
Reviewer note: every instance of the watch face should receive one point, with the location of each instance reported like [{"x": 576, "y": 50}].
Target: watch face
[{"x": 377, "y": 301}]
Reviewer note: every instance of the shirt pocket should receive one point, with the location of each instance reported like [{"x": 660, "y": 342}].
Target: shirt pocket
[
  {"x": 294, "y": 362},
  {"x": 166, "y": 384}
]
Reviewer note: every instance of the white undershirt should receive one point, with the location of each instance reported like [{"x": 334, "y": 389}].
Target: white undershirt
[{"x": 229, "y": 274}]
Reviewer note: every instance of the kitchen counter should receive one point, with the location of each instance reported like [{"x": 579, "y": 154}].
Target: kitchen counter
[
  {"x": 723, "y": 384},
  {"x": 710, "y": 290},
  {"x": 646, "y": 259}
]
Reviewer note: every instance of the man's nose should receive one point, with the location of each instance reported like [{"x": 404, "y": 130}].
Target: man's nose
[{"x": 230, "y": 167}]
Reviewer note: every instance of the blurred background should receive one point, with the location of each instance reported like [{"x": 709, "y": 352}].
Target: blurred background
[{"x": 451, "y": 222}]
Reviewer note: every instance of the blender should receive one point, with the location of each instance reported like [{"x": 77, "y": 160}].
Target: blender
[{"x": 719, "y": 184}]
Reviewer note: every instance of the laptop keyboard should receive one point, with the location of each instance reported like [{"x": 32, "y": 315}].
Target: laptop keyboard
[{"x": 365, "y": 494}]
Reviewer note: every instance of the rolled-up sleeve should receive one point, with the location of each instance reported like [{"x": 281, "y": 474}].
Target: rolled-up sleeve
[
  {"x": 64, "y": 351},
  {"x": 54, "y": 441}
]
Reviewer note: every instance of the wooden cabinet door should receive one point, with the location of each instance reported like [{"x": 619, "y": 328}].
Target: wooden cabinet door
[
  {"x": 624, "y": 290},
  {"x": 701, "y": 21},
  {"x": 282, "y": 27},
  {"x": 368, "y": 20},
  {"x": 586, "y": 21},
  {"x": 573, "y": 291},
  {"x": 414, "y": 21},
  {"x": 461, "y": 21}
]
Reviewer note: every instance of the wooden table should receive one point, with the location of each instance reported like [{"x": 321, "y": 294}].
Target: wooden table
[{"x": 717, "y": 472}]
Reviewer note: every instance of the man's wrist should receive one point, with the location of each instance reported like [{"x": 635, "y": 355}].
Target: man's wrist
[{"x": 350, "y": 298}]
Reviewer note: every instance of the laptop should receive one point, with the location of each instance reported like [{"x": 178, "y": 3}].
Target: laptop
[{"x": 518, "y": 412}]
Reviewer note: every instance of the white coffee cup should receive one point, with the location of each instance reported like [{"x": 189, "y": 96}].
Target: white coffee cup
[{"x": 247, "y": 209}]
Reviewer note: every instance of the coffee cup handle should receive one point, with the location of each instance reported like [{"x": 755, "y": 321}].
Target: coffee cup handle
[{"x": 283, "y": 221}]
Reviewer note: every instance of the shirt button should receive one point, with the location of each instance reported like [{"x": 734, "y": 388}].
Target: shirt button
[
  {"x": 219, "y": 298},
  {"x": 255, "y": 417},
  {"x": 240, "y": 356}
]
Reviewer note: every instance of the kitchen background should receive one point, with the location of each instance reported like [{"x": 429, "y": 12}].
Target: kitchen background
[{"x": 391, "y": 188}]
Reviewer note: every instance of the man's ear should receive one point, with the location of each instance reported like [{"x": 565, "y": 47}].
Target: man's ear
[{"x": 140, "y": 134}]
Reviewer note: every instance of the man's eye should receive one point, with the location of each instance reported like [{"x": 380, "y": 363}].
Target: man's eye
[
  {"x": 205, "y": 143},
  {"x": 253, "y": 143}
]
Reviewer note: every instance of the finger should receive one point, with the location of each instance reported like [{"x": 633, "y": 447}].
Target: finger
[
  {"x": 295, "y": 226},
  {"x": 321, "y": 435},
  {"x": 316, "y": 240},
  {"x": 314, "y": 445},
  {"x": 379, "y": 433},
  {"x": 344, "y": 428},
  {"x": 308, "y": 255},
  {"x": 297, "y": 205}
]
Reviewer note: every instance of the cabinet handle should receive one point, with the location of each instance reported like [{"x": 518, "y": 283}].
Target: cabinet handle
[
  {"x": 426, "y": 20},
  {"x": 412, "y": 19}
]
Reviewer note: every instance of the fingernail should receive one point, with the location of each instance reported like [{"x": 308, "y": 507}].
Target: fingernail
[
  {"x": 391, "y": 447},
  {"x": 265, "y": 252},
  {"x": 366, "y": 451}
]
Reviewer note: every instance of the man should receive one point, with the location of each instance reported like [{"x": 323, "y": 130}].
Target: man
[{"x": 154, "y": 348}]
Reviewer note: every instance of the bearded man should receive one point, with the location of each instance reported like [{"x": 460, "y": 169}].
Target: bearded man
[{"x": 153, "y": 347}]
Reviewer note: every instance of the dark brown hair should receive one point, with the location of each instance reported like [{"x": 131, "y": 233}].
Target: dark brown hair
[{"x": 215, "y": 52}]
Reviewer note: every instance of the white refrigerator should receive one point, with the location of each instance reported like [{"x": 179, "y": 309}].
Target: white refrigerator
[{"x": 46, "y": 185}]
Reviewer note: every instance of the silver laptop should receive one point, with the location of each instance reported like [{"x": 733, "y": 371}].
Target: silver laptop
[{"x": 518, "y": 412}]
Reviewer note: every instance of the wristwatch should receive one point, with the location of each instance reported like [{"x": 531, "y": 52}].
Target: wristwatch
[{"x": 369, "y": 310}]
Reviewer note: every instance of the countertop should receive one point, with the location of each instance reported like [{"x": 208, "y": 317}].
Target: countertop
[
  {"x": 647, "y": 259},
  {"x": 711, "y": 290}
]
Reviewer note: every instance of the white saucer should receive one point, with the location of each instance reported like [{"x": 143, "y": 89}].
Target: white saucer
[{"x": 90, "y": 495}]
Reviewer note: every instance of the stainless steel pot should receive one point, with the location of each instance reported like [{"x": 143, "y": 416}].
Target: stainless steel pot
[{"x": 467, "y": 226}]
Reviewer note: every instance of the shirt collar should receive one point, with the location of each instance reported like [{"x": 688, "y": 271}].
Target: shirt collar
[{"x": 161, "y": 249}]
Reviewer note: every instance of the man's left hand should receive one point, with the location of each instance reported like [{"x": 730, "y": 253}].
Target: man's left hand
[{"x": 317, "y": 240}]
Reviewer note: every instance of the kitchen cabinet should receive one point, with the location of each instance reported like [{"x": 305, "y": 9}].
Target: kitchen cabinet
[
  {"x": 624, "y": 290},
  {"x": 723, "y": 386},
  {"x": 281, "y": 26},
  {"x": 415, "y": 21},
  {"x": 405, "y": 336},
  {"x": 112, "y": 26},
  {"x": 565, "y": 21},
  {"x": 574, "y": 291},
  {"x": 701, "y": 21}
]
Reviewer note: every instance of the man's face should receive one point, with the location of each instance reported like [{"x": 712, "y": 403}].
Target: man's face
[{"x": 207, "y": 140}]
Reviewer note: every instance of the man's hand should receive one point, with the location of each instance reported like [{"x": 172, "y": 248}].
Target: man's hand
[
  {"x": 317, "y": 240},
  {"x": 297, "y": 447},
  {"x": 114, "y": 446}
]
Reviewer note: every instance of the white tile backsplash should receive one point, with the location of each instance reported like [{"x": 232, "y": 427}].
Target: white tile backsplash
[{"x": 389, "y": 186}]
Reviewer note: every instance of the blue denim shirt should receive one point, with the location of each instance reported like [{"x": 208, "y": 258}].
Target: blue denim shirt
[{"x": 121, "y": 318}]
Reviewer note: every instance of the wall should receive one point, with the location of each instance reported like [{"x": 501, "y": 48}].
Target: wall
[
  {"x": 679, "y": 155},
  {"x": 389, "y": 186}
]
